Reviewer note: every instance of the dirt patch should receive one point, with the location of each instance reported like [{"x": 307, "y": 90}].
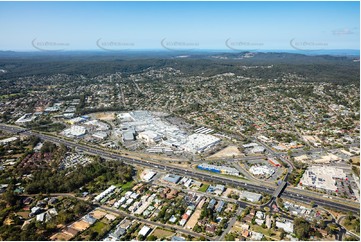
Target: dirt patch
[
  {"x": 355, "y": 160},
  {"x": 105, "y": 116},
  {"x": 98, "y": 213},
  {"x": 160, "y": 233},
  {"x": 80, "y": 225},
  {"x": 23, "y": 214},
  {"x": 229, "y": 151},
  {"x": 193, "y": 219},
  {"x": 61, "y": 237}
]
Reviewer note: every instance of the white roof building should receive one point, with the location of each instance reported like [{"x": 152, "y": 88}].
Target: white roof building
[
  {"x": 322, "y": 177},
  {"x": 144, "y": 231},
  {"x": 199, "y": 142},
  {"x": 149, "y": 176},
  {"x": 286, "y": 226},
  {"x": 8, "y": 140},
  {"x": 262, "y": 170},
  {"x": 75, "y": 131},
  {"x": 28, "y": 117}
]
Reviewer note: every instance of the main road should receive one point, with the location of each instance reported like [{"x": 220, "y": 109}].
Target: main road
[{"x": 354, "y": 207}]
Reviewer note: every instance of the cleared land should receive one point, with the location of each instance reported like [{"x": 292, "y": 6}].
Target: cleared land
[
  {"x": 61, "y": 237},
  {"x": 80, "y": 225},
  {"x": 355, "y": 160},
  {"x": 98, "y": 214},
  {"x": 161, "y": 233},
  {"x": 229, "y": 151},
  {"x": 105, "y": 116},
  {"x": 193, "y": 219}
]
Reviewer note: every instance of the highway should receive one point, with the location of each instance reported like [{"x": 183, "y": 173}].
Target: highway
[{"x": 190, "y": 173}]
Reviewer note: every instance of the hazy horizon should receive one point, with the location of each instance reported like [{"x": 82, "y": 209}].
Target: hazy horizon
[{"x": 185, "y": 26}]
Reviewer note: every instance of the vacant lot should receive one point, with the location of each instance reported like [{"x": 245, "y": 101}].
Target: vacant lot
[
  {"x": 355, "y": 160},
  {"x": 230, "y": 151},
  {"x": 105, "y": 116},
  {"x": 193, "y": 219},
  {"x": 80, "y": 225},
  {"x": 61, "y": 237},
  {"x": 98, "y": 213},
  {"x": 161, "y": 233},
  {"x": 203, "y": 188}
]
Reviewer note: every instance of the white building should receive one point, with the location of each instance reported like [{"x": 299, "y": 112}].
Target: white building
[
  {"x": 8, "y": 140},
  {"x": 261, "y": 170},
  {"x": 197, "y": 143},
  {"x": 286, "y": 226},
  {"x": 28, "y": 117},
  {"x": 75, "y": 131},
  {"x": 144, "y": 231},
  {"x": 100, "y": 135},
  {"x": 147, "y": 177},
  {"x": 322, "y": 177}
]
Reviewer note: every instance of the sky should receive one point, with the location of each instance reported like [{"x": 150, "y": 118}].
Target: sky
[{"x": 34, "y": 26}]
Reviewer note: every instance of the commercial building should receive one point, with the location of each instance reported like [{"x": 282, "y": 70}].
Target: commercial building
[
  {"x": 144, "y": 231},
  {"x": 262, "y": 170},
  {"x": 274, "y": 162},
  {"x": 8, "y": 140},
  {"x": 197, "y": 143},
  {"x": 75, "y": 131},
  {"x": 322, "y": 177},
  {"x": 28, "y": 117},
  {"x": 100, "y": 135},
  {"x": 147, "y": 177},
  {"x": 171, "y": 178},
  {"x": 251, "y": 196},
  {"x": 219, "y": 169},
  {"x": 287, "y": 226}
]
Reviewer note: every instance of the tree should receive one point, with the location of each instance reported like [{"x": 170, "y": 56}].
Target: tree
[
  {"x": 301, "y": 228},
  {"x": 332, "y": 228},
  {"x": 152, "y": 238},
  {"x": 282, "y": 234}
]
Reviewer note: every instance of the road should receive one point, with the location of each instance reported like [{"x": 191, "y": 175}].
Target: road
[
  {"x": 231, "y": 222},
  {"x": 124, "y": 214},
  {"x": 290, "y": 194},
  {"x": 146, "y": 221}
]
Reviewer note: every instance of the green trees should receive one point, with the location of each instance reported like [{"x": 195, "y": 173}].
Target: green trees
[
  {"x": 301, "y": 228},
  {"x": 53, "y": 181}
]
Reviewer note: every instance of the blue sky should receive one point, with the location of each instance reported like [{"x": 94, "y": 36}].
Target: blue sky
[{"x": 187, "y": 25}]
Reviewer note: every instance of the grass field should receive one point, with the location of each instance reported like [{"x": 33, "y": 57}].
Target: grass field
[
  {"x": 203, "y": 188},
  {"x": 267, "y": 232},
  {"x": 98, "y": 227},
  {"x": 161, "y": 233},
  {"x": 127, "y": 187}
]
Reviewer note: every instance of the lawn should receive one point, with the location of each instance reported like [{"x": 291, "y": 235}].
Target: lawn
[
  {"x": 98, "y": 227},
  {"x": 161, "y": 233},
  {"x": 203, "y": 188},
  {"x": 127, "y": 186},
  {"x": 270, "y": 233}
]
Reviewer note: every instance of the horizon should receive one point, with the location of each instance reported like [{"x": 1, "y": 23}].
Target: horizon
[{"x": 180, "y": 26}]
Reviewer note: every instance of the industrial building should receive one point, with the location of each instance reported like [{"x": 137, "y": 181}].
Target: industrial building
[
  {"x": 149, "y": 175},
  {"x": 274, "y": 162},
  {"x": 28, "y": 117},
  {"x": 219, "y": 169},
  {"x": 262, "y": 170},
  {"x": 75, "y": 131},
  {"x": 171, "y": 178},
  {"x": 197, "y": 143},
  {"x": 251, "y": 196},
  {"x": 322, "y": 177},
  {"x": 8, "y": 140}
]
